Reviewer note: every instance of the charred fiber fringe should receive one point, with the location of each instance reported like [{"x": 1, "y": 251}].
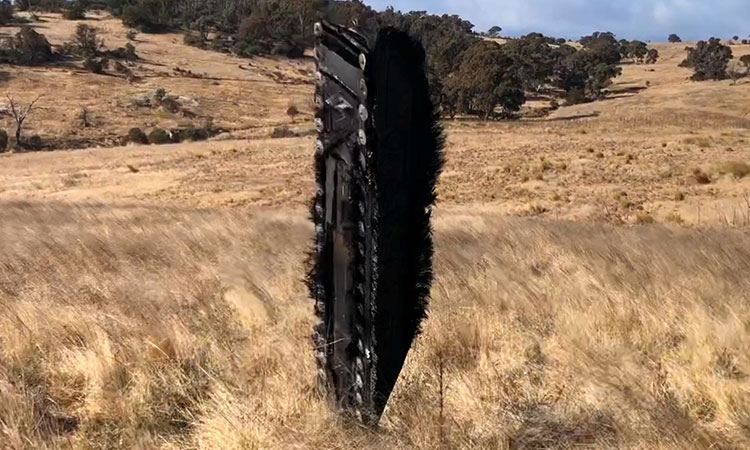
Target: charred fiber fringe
[
  {"x": 318, "y": 271},
  {"x": 390, "y": 189},
  {"x": 408, "y": 160}
]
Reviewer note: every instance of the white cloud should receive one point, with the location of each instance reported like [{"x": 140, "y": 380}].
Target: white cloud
[{"x": 644, "y": 19}]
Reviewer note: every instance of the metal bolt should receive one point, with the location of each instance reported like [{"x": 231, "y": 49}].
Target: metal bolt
[
  {"x": 362, "y": 61},
  {"x": 319, "y": 148},
  {"x": 363, "y": 86},
  {"x": 318, "y": 101},
  {"x": 319, "y": 126},
  {"x": 363, "y": 114},
  {"x": 318, "y": 29},
  {"x": 362, "y": 137}
]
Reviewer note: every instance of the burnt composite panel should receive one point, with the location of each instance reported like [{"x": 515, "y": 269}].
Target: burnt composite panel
[{"x": 378, "y": 156}]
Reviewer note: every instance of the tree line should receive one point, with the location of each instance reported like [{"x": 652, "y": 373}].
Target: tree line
[{"x": 469, "y": 72}]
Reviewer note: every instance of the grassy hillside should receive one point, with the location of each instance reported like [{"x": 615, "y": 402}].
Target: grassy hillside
[
  {"x": 591, "y": 281},
  {"x": 144, "y": 327}
]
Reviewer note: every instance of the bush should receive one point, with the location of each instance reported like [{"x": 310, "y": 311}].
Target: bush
[
  {"x": 194, "y": 39},
  {"x": 76, "y": 11},
  {"x": 282, "y": 132},
  {"x": 248, "y": 49},
  {"x": 673, "y": 39},
  {"x": 191, "y": 134},
  {"x": 485, "y": 82},
  {"x": 126, "y": 53},
  {"x": 95, "y": 65},
  {"x": 27, "y": 47},
  {"x": 148, "y": 16},
  {"x": 709, "y": 60},
  {"x": 575, "y": 96},
  {"x": 159, "y": 136},
  {"x": 3, "y": 140},
  {"x": 137, "y": 136},
  {"x": 6, "y": 12},
  {"x": 288, "y": 49},
  {"x": 41, "y": 5},
  {"x": 586, "y": 72},
  {"x": 35, "y": 142},
  {"x": 85, "y": 42}
]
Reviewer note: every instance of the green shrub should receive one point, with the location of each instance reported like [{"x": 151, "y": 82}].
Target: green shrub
[
  {"x": 709, "y": 60},
  {"x": 283, "y": 132},
  {"x": 6, "y": 12},
  {"x": 288, "y": 49},
  {"x": 41, "y": 5},
  {"x": 27, "y": 47},
  {"x": 95, "y": 65},
  {"x": 191, "y": 134},
  {"x": 3, "y": 140},
  {"x": 35, "y": 142},
  {"x": 148, "y": 16},
  {"x": 575, "y": 96},
  {"x": 76, "y": 11},
  {"x": 126, "y": 53},
  {"x": 159, "y": 136},
  {"x": 137, "y": 136},
  {"x": 194, "y": 39},
  {"x": 248, "y": 49},
  {"x": 86, "y": 41}
]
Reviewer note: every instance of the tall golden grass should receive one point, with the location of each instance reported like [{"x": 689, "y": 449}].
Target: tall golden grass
[{"x": 144, "y": 327}]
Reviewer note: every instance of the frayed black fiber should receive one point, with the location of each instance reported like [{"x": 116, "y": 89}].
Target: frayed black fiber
[{"x": 408, "y": 157}]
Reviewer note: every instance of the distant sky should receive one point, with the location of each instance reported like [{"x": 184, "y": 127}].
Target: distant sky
[{"x": 630, "y": 19}]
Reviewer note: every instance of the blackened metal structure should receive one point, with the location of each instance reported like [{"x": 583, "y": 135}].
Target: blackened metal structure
[{"x": 377, "y": 159}]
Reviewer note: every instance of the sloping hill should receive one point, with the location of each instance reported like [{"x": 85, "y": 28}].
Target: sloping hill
[
  {"x": 153, "y": 327},
  {"x": 235, "y": 94}
]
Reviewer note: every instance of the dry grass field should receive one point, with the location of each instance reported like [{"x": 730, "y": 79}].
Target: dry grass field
[{"x": 593, "y": 270}]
